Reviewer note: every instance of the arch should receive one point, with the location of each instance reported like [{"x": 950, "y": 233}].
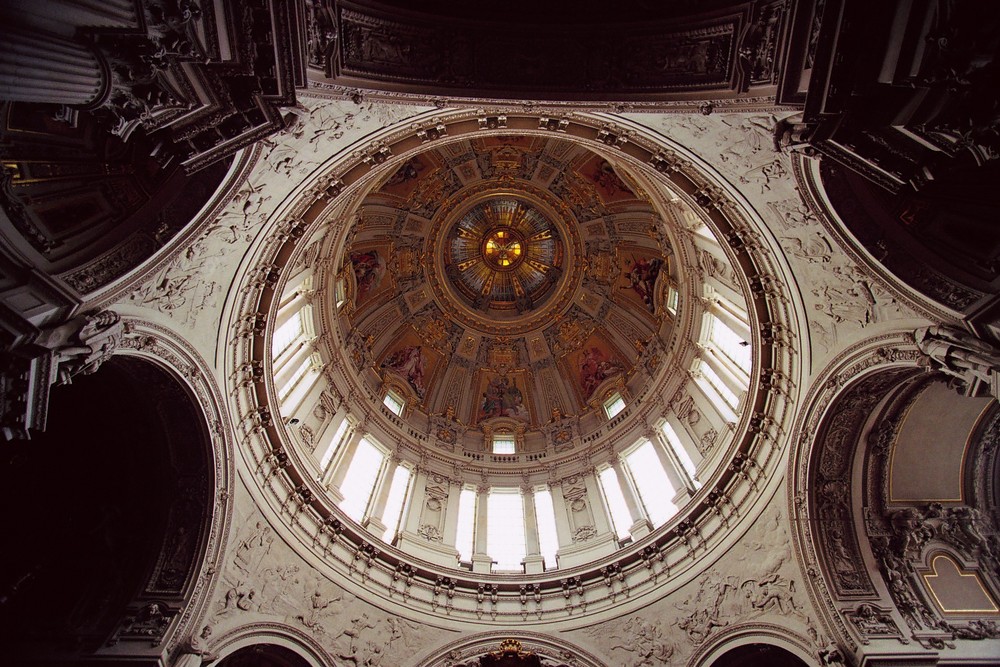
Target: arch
[
  {"x": 263, "y": 655},
  {"x": 750, "y": 645},
  {"x": 95, "y": 226},
  {"x": 161, "y": 347},
  {"x": 862, "y": 421},
  {"x": 282, "y": 641},
  {"x": 466, "y": 651},
  {"x": 758, "y": 655},
  {"x": 826, "y": 434},
  {"x": 905, "y": 266},
  {"x": 278, "y": 459},
  {"x": 129, "y": 494}
]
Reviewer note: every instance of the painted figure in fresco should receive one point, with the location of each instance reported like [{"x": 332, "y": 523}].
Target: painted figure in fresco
[
  {"x": 502, "y": 398},
  {"x": 408, "y": 362},
  {"x": 410, "y": 171},
  {"x": 368, "y": 271},
  {"x": 642, "y": 278},
  {"x": 605, "y": 177},
  {"x": 595, "y": 368}
]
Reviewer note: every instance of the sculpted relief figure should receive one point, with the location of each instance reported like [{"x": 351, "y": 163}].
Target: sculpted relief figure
[
  {"x": 196, "y": 652},
  {"x": 959, "y": 354},
  {"x": 82, "y": 344}
]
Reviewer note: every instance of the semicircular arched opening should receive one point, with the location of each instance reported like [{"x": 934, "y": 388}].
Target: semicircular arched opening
[{"x": 110, "y": 510}]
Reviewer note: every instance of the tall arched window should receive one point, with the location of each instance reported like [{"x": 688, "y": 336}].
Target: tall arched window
[{"x": 398, "y": 490}]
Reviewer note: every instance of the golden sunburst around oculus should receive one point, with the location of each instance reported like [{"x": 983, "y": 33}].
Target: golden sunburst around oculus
[
  {"x": 504, "y": 254},
  {"x": 503, "y": 249}
]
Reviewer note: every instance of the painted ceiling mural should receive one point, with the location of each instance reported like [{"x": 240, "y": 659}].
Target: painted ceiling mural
[{"x": 483, "y": 274}]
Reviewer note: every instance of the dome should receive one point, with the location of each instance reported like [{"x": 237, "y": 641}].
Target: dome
[
  {"x": 488, "y": 286},
  {"x": 526, "y": 372}
]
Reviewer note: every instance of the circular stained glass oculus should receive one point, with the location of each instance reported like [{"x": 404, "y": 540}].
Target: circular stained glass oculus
[
  {"x": 503, "y": 249},
  {"x": 504, "y": 254}
]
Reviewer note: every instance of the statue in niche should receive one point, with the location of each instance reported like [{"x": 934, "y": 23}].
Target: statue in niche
[
  {"x": 502, "y": 398},
  {"x": 369, "y": 268},
  {"x": 595, "y": 368}
]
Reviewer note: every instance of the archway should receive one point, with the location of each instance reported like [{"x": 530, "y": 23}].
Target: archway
[
  {"x": 110, "y": 510},
  {"x": 264, "y": 655},
  {"x": 758, "y": 655},
  {"x": 899, "y": 492}
]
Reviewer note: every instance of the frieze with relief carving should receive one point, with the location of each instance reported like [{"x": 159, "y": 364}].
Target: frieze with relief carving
[{"x": 660, "y": 55}]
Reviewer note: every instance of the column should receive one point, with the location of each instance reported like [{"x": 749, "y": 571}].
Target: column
[
  {"x": 374, "y": 522},
  {"x": 451, "y": 512},
  {"x": 533, "y": 561},
  {"x": 481, "y": 560},
  {"x": 37, "y": 67},
  {"x": 676, "y": 473},
  {"x": 640, "y": 524},
  {"x": 412, "y": 521},
  {"x": 65, "y": 16},
  {"x": 602, "y": 524},
  {"x": 562, "y": 515}
]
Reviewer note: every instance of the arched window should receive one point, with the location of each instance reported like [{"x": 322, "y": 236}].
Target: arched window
[
  {"x": 504, "y": 443},
  {"x": 465, "y": 536},
  {"x": 394, "y": 402},
  {"x": 732, "y": 346},
  {"x": 614, "y": 405},
  {"x": 716, "y": 390},
  {"x": 335, "y": 442},
  {"x": 681, "y": 453},
  {"x": 286, "y": 334},
  {"x": 621, "y": 518}
]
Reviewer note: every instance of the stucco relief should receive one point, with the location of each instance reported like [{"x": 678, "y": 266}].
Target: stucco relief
[
  {"x": 842, "y": 299},
  {"x": 263, "y": 581},
  {"x": 190, "y": 286},
  {"x": 753, "y": 582}
]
